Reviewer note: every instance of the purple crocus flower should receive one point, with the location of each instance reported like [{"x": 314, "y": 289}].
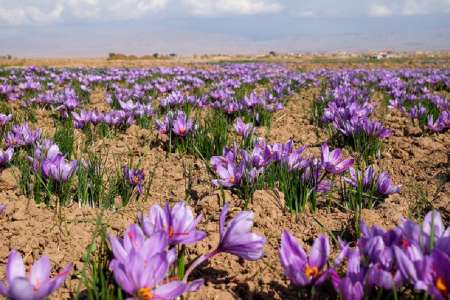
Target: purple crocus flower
[
  {"x": 261, "y": 155},
  {"x": 431, "y": 232},
  {"x": 376, "y": 129},
  {"x": 37, "y": 285},
  {"x": 134, "y": 239},
  {"x": 237, "y": 238},
  {"x": 6, "y": 156},
  {"x": 2, "y": 209},
  {"x": 230, "y": 174},
  {"x": 351, "y": 286},
  {"x": 58, "y": 168},
  {"x": 333, "y": 161},
  {"x": 385, "y": 186},
  {"x": 142, "y": 271},
  {"x": 134, "y": 177},
  {"x": 179, "y": 223},
  {"x": 300, "y": 268},
  {"x": 5, "y": 119},
  {"x": 162, "y": 125},
  {"x": 182, "y": 125},
  {"x": 242, "y": 128},
  {"x": 440, "y": 287},
  {"x": 81, "y": 119},
  {"x": 22, "y": 135},
  {"x": 416, "y": 270},
  {"x": 357, "y": 177}
]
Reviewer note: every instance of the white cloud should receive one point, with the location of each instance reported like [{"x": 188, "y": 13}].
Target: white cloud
[
  {"x": 235, "y": 7},
  {"x": 16, "y": 12},
  {"x": 114, "y": 9},
  {"x": 29, "y": 13},
  {"x": 379, "y": 10},
  {"x": 307, "y": 13},
  {"x": 408, "y": 7}
]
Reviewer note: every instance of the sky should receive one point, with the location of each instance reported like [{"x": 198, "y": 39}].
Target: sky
[{"x": 93, "y": 28}]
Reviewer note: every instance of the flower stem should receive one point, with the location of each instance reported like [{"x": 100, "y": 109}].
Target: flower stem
[{"x": 198, "y": 262}]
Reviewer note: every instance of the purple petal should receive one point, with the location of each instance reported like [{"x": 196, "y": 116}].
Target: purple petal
[
  {"x": 21, "y": 289},
  {"x": 320, "y": 252},
  {"x": 170, "y": 290},
  {"x": 40, "y": 271},
  {"x": 15, "y": 267}
]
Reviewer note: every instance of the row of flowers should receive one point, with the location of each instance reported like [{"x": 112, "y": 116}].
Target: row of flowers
[{"x": 145, "y": 259}]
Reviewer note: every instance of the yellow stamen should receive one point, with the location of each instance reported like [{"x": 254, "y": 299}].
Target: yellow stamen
[
  {"x": 145, "y": 294},
  {"x": 311, "y": 272},
  {"x": 171, "y": 233},
  {"x": 440, "y": 285},
  {"x": 231, "y": 179},
  {"x": 182, "y": 130}
]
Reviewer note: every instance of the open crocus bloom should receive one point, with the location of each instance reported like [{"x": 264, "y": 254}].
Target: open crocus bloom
[
  {"x": 37, "y": 285},
  {"x": 178, "y": 222},
  {"x": 333, "y": 161},
  {"x": 182, "y": 125},
  {"x": 237, "y": 238},
  {"x": 300, "y": 268}
]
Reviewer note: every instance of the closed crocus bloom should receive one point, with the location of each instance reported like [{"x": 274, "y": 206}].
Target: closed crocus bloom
[
  {"x": 59, "y": 169},
  {"x": 300, "y": 268},
  {"x": 37, "y": 285},
  {"x": 242, "y": 128},
  {"x": 5, "y": 119},
  {"x": 385, "y": 186},
  {"x": 81, "y": 119},
  {"x": 162, "y": 126},
  {"x": 236, "y": 238},
  {"x": 351, "y": 286},
  {"x": 416, "y": 271},
  {"x": 6, "y": 156},
  {"x": 350, "y": 289},
  {"x": 333, "y": 161}
]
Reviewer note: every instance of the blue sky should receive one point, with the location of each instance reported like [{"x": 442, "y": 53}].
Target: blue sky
[{"x": 96, "y": 27}]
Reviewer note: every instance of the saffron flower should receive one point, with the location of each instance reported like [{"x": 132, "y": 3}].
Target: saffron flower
[
  {"x": 243, "y": 129},
  {"x": 385, "y": 186},
  {"x": 230, "y": 173},
  {"x": 182, "y": 124},
  {"x": 59, "y": 169},
  {"x": 6, "y": 156},
  {"x": 37, "y": 285},
  {"x": 134, "y": 239},
  {"x": 134, "y": 177},
  {"x": 21, "y": 135},
  {"x": 333, "y": 161},
  {"x": 178, "y": 222},
  {"x": 300, "y": 268},
  {"x": 5, "y": 119},
  {"x": 141, "y": 265},
  {"x": 236, "y": 238}
]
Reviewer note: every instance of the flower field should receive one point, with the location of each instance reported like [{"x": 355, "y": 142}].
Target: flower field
[{"x": 225, "y": 181}]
